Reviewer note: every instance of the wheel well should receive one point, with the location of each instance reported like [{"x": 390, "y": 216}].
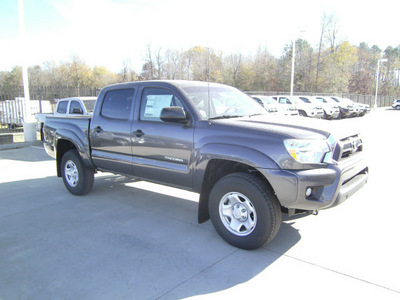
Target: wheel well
[
  {"x": 216, "y": 169},
  {"x": 63, "y": 146},
  {"x": 302, "y": 112}
]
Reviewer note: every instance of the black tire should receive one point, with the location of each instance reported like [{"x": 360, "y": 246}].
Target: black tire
[
  {"x": 77, "y": 178},
  {"x": 252, "y": 214},
  {"x": 42, "y": 132}
]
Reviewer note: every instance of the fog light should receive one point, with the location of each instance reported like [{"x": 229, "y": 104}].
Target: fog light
[{"x": 308, "y": 192}]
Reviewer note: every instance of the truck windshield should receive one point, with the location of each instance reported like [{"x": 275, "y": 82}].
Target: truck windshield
[
  {"x": 219, "y": 101},
  {"x": 89, "y": 104}
]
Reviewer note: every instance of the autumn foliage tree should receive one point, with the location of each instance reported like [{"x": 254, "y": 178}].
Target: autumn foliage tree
[{"x": 332, "y": 67}]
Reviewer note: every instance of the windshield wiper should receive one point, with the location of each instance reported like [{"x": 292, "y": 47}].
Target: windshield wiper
[{"x": 225, "y": 117}]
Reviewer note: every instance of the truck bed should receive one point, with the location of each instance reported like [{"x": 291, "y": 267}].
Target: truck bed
[{"x": 74, "y": 127}]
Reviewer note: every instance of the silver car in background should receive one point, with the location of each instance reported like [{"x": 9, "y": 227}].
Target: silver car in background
[
  {"x": 290, "y": 109},
  {"x": 269, "y": 104},
  {"x": 305, "y": 106},
  {"x": 330, "y": 107}
]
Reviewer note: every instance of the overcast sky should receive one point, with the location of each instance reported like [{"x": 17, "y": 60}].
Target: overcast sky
[{"x": 107, "y": 32}]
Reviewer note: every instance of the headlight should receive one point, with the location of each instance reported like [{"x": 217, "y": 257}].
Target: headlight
[{"x": 310, "y": 151}]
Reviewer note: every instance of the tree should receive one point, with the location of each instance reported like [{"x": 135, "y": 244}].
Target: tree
[
  {"x": 263, "y": 66},
  {"x": 390, "y": 71},
  {"x": 326, "y": 22},
  {"x": 80, "y": 73},
  {"x": 362, "y": 80},
  {"x": 173, "y": 65},
  {"x": 126, "y": 74},
  {"x": 202, "y": 64},
  {"x": 153, "y": 66},
  {"x": 13, "y": 78},
  {"x": 232, "y": 67},
  {"x": 103, "y": 77},
  {"x": 337, "y": 77},
  {"x": 303, "y": 66}
]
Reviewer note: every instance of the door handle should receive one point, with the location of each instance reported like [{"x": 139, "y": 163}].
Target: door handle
[
  {"x": 98, "y": 129},
  {"x": 138, "y": 133}
]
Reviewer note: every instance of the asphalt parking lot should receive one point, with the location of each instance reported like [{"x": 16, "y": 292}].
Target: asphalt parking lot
[{"x": 135, "y": 240}]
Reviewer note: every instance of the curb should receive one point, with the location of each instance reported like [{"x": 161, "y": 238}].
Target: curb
[{"x": 20, "y": 145}]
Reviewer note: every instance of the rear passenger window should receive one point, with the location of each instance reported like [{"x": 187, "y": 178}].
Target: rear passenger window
[
  {"x": 154, "y": 100},
  {"x": 62, "y": 107},
  {"x": 117, "y": 104}
]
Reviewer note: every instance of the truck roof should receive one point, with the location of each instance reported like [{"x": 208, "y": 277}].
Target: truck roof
[
  {"x": 179, "y": 83},
  {"x": 77, "y": 98}
]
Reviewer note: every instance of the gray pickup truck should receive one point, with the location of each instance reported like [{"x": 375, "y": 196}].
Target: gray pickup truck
[{"x": 249, "y": 167}]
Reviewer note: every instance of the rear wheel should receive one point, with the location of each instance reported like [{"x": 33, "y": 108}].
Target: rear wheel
[
  {"x": 244, "y": 211},
  {"x": 78, "y": 179}
]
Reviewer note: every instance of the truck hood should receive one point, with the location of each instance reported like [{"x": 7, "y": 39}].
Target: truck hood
[{"x": 292, "y": 127}]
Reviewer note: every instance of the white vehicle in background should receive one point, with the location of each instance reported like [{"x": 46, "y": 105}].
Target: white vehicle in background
[
  {"x": 305, "y": 107},
  {"x": 330, "y": 107},
  {"x": 289, "y": 109},
  {"x": 362, "y": 108},
  {"x": 269, "y": 104},
  {"x": 396, "y": 104},
  {"x": 67, "y": 107},
  {"x": 347, "y": 109}
]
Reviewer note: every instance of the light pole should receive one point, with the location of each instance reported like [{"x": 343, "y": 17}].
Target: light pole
[
  {"x": 28, "y": 123},
  {"x": 377, "y": 80}
]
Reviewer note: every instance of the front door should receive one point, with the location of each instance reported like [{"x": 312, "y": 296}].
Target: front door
[{"x": 162, "y": 151}]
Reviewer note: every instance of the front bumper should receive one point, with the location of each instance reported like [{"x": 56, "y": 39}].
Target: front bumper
[
  {"x": 332, "y": 114},
  {"x": 330, "y": 186}
]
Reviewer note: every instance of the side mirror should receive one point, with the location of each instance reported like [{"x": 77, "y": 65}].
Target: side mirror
[
  {"x": 77, "y": 111},
  {"x": 173, "y": 114}
]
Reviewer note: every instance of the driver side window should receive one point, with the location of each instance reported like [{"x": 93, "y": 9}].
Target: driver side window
[{"x": 154, "y": 100}]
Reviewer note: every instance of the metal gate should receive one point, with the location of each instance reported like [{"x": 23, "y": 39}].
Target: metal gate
[{"x": 11, "y": 116}]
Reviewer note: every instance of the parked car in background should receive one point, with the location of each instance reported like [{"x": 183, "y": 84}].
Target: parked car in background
[
  {"x": 290, "y": 109},
  {"x": 361, "y": 108},
  {"x": 346, "y": 109},
  {"x": 305, "y": 107},
  {"x": 396, "y": 104},
  {"x": 67, "y": 107},
  {"x": 330, "y": 107},
  {"x": 367, "y": 107},
  {"x": 268, "y": 103}
]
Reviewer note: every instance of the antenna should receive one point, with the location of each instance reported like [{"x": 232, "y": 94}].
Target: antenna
[{"x": 208, "y": 83}]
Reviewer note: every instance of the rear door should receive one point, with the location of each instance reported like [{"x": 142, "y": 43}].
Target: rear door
[
  {"x": 162, "y": 151},
  {"x": 110, "y": 134}
]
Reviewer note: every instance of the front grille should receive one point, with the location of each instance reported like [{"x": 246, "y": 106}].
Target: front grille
[{"x": 349, "y": 146}]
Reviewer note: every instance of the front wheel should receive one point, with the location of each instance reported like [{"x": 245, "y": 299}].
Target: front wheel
[
  {"x": 302, "y": 113},
  {"x": 78, "y": 178},
  {"x": 244, "y": 211}
]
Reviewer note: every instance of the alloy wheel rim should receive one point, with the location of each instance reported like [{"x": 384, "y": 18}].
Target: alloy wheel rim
[{"x": 71, "y": 173}]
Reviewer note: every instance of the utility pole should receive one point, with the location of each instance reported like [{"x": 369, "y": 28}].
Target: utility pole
[
  {"x": 377, "y": 80},
  {"x": 29, "y": 125}
]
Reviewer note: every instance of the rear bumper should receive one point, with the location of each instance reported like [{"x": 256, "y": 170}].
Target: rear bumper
[{"x": 330, "y": 186}]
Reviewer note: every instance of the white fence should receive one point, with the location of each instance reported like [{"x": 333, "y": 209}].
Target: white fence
[{"x": 12, "y": 111}]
